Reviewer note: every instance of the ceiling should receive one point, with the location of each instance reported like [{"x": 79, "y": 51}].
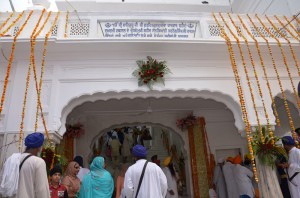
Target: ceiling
[{"x": 138, "y": 106}]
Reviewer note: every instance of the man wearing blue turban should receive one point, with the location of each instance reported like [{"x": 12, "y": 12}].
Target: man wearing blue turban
[
  {"x": 152, "y": 184},
  {"x": 293, "y": 165},
  {"x": 33, "y": 180}
]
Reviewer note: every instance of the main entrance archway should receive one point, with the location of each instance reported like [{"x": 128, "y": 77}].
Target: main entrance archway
[{"x": 101, "y": 113}]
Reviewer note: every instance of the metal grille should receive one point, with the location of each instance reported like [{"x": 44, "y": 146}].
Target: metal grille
[
  {"x": 266, "y": 34},
  {"x": 214, "y": 30},
  {"x": 16, "y": 30},
  {"x": 239, "y": 31},
  {"x": 79, "y": 29},
  {"x": 54, "y": 31}
]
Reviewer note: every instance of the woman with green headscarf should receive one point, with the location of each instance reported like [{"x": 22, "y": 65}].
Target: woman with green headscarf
[{"x": 98, "y": 182}]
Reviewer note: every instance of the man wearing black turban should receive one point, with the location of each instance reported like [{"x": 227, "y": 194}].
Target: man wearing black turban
[{"x": 33, "y": 181}]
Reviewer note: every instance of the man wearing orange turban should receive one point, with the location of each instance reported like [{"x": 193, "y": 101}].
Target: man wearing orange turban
[{"x": 243, "y": 178}]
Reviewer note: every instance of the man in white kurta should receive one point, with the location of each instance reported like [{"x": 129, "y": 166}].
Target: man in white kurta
[
  {"x": 231, "y": 184},
  {"x": 33, "y": 181},
  {"x": 243, "y": 179},
  {"x": 154, "y": 183},
  {"x": 219, "y": 180},
  {"x": 293, "y": 166},
  {"x": 171, "y": 179}
]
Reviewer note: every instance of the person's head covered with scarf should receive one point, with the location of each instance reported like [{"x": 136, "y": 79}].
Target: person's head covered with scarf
[{"x": 98, "y": 176}]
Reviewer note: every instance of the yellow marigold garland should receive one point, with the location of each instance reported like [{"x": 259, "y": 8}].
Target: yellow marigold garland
[
  {"x": 28, "y": 78},
  {"x": 264, "y": 70},
  {"x": 12, "y": 24},
  {"x": 284, "y": 59},
  {"x": 240, "y": 93},
  {"x": 291, "y": 25},
  {"x": 277, "y": 75},
  {"x": 287, "y": 29},
  {"x": 5, "y": 22},
  {"x": 42, "y": 73},
  {"x": 27, "y": 84},
  {"x": 10, "y": 63},
  {"x": 255, "y": 74},
  {"x": 246, "y": 73},
  {"x": 289, "y": 43},
  {"x": 66, "y": 25},
  {"x": 39, "y": 104}
]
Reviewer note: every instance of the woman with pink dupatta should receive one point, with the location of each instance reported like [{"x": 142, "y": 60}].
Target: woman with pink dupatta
[{"x": 71, "y": 181}]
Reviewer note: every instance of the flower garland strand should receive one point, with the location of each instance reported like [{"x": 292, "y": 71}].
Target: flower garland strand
[
  {"x": 278, "y": 77},
  {"x": 39, "y": 104},
  {"x": 66, "y": 25},
  {"x": 264, "y": 70},
  {"x": 240, "y": 94},
  {"x": 5, "y": 22},
  {"x": 287, "y": 29},
  {"x": 28, "y": 79},
  {"x": 10, "y": 63},
  {"x": 28, "y": 76},
  {"x": 12, "y": 24},
  {"x": 42, "y": 71},
  {"x": 255, "y": 74},
  {"x": 291, "y": 25},
  {"x": 246, "y": 73},
  {"x": 289, "y": 43},
  {"x": 284, "y": 59}
]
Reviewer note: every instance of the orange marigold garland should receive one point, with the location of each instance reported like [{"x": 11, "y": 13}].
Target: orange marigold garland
[
  {"x": 66, "y": 25},
  {"x": 255, "y": 74},
  {"x": 10, "y": 63},
  {"x": 246, "y": 73},
  {"x": 12, "y": 24},
  {"x": 240, "y": 93},
  {"x": 284, "y": 59},
  {"x": 27, "y": 81},
  {"x": 5, "y": 22},
  {"x": 289, "y": 43},
  {"x": 277, "y": 75},
  {"x": 264, "y": 70},
  {"x": 35, "y": 76},
  {"x": 42, "y": 72},
  {"x": 291, "y": 25},
  {"x": 287, "y": 29}
]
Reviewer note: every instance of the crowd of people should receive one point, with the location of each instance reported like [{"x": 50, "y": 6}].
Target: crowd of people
[
  {"x": 233, "y": 178},
  {"x": 142, "y": 179}
]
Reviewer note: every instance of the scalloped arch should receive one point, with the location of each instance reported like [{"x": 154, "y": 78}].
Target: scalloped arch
[{"x": 218, "y": 96}]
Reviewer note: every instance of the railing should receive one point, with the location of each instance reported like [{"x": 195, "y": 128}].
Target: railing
[{"x": 151, "y": 26}]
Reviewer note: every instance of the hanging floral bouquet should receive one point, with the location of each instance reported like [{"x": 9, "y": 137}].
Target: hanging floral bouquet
[
  {"x": 186, "y": 122},
  {"x": 50, "y": 157},
  {"x": 74, "y": 131},
  {"x": 150, "y": 72},
  {"x": 266, "y": 150}
]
